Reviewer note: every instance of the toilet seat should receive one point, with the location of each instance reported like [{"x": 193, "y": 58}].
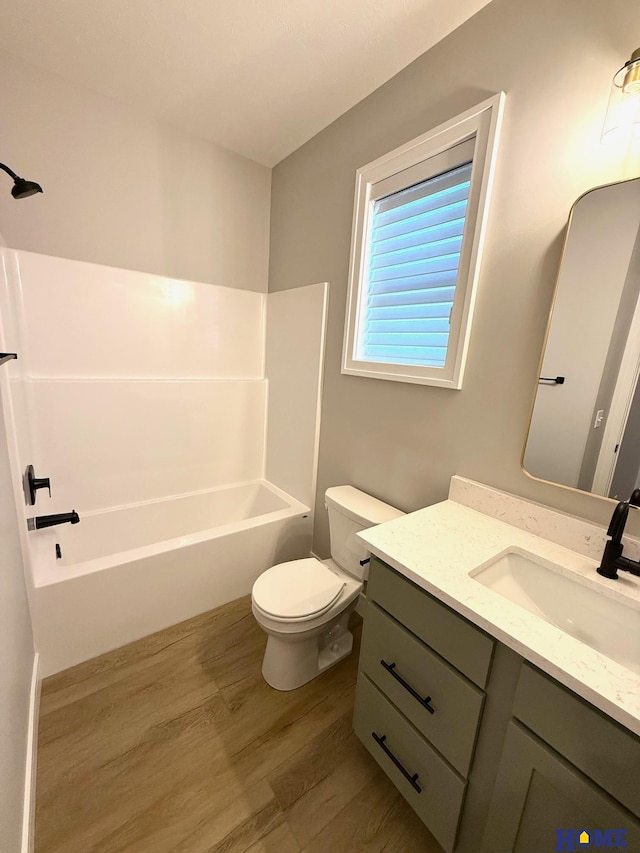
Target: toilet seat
[{"x": 297, "y": 590}]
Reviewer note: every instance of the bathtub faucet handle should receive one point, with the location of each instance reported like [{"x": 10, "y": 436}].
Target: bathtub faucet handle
[{"x": 32, "y": 484}]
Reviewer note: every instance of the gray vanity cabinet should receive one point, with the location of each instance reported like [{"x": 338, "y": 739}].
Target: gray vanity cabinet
[
  {"x": 427, "y": 782},
  {"x": 448, "y": 634},
  {"x": 565, "y": 769},
  {"x": 541, "y": 802},
  {"x": 491, "y": 753},
  {"x": 600, "y": 748},
  {"x": 401, "y": 666},
  {"x": 419, "y": 699}
]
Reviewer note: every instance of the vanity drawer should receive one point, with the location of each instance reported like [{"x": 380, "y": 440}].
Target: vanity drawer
[
  {"x": 407, "y": 672},
  {"x": 462, "y": 644},
  {"x": 438, "y": 803},
  {"x": 598, "y": 746}
]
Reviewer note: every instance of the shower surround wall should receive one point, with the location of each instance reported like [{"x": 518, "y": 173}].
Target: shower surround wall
[
  {"x": 133, "y": 391},
  {"x": 139, "y": 387}
]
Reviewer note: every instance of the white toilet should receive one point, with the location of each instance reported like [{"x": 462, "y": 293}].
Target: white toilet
[{"x": 304, "y": 605}]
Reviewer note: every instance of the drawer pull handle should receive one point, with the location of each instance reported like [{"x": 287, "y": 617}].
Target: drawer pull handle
[
  {"x": 412, "y": 780},
  {"x": 391, "y": 669}
]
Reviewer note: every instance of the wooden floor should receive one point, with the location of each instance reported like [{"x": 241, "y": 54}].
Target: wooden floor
[{"x": 175, "y": 743}]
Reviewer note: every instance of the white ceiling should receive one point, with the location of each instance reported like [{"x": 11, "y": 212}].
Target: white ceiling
[{"x": 260, "y": 77}]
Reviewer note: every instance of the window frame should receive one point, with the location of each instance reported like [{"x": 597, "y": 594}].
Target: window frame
[{"x": 482, "y": 124}]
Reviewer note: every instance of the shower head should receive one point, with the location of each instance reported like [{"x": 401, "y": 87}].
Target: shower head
[{"x": 21, "y": 187}]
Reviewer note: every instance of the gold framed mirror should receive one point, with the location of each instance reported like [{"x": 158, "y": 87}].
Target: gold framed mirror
[{"x": 585, "y": 423}]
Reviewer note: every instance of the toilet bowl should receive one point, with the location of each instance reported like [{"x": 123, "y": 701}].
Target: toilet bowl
[{"x": 304, "y": 605}]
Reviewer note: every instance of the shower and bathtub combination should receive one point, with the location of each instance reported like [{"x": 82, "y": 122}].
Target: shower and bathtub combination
[{"x": 180, "y": 420}]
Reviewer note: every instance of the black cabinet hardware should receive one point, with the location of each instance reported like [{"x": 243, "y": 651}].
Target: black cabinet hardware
[
  {"x": 412, "y": 780},
  {"x": 391, "y": 669}
]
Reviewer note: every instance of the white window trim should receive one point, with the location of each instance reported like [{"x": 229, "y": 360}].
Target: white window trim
[{"x": 482, "y": 122}]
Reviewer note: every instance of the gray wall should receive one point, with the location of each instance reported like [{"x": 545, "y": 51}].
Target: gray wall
[
  {"x": 126, "y": 191},
  {"x": 555, "y": 61},
  {"x": 16, "y": 663}
]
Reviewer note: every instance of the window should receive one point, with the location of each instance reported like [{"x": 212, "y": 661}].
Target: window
[{"x": 419, "y": 219}]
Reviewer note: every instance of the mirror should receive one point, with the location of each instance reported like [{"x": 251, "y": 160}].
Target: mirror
[{"x": 585, "y": 425}]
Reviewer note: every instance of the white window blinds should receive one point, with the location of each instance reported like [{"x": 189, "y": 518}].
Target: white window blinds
[{"x": 413, "y": 259}]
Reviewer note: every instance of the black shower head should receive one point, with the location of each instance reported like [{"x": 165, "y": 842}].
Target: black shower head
[{"x": 21, "y": 188}]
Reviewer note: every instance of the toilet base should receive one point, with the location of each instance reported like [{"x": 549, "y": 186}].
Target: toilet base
[{"x": 292, "y": 660}]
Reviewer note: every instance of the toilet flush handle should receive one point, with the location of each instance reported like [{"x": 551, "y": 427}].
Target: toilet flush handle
[{"x": 364, "y": 562}]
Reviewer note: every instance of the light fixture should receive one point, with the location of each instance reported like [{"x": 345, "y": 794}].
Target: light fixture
[
  {"x": 21, "y": 187},
  {"x": 622, "y": 121},
  {"x": 629, "y": 74}
]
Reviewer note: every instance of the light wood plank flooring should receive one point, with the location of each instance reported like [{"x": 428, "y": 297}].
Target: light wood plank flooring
[{"x": 175, "y": 743}]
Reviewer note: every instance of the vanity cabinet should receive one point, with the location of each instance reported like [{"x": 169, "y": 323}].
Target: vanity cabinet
[
  {"x": 491, "y": 753},
  {"x": 597, "y": 746},
  {"x": 432, "y": 695},
  {"x": 564, "y": 768},
  {"x": 419, "y": 698},
  {"x": 541, "y": 802},
  {"x": 430, "y": 785},
  {"x": 448, "y": 634}
]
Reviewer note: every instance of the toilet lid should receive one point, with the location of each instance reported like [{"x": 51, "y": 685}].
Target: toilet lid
[{"x": 296, "y": 589}]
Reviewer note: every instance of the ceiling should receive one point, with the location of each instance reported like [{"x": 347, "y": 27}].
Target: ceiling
[{"x": 260, "y": 77}]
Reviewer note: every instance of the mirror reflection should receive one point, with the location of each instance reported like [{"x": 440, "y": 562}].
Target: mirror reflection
[{"x": 585, "y": 426}]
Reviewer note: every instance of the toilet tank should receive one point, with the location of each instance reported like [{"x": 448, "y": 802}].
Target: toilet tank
[{"x": 350, "y": 511}]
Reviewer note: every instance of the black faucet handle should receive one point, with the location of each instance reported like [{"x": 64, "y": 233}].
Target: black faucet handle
[
  {"x": 618, "y": 521},
  {"x": 612, "y": 558},
  {"x": 32, "y": 484},
  {"x": 42, "y": 483}
]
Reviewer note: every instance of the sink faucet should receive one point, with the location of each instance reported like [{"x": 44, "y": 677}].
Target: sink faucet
[{"x": 612, "y": 559}]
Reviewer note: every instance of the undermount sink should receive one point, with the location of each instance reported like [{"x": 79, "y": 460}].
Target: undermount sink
[{"x": 606, "y": 624}]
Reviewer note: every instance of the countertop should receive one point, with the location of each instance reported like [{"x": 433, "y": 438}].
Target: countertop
[{"x": 437, "y": 547}]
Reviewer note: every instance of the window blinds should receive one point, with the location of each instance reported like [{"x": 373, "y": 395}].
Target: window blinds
[{"x": 414, "y": 254}]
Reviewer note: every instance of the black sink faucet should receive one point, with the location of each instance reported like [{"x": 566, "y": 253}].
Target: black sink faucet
[{"x": 612, "y": 559}]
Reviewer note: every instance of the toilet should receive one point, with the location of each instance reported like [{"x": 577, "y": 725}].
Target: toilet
[{"x": 304, "y": 605}]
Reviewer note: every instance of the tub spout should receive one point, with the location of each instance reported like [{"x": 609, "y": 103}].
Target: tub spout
[{"x": 41, "y": 521}]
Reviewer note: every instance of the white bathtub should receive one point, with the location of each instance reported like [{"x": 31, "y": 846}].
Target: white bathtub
[{"x": 129, "y": 571}]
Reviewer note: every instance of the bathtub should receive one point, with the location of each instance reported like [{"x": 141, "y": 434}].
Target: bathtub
[{"x": 129, "y": 571}]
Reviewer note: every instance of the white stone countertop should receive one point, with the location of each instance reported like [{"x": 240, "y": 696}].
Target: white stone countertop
[{"x": 437, "y": 547}]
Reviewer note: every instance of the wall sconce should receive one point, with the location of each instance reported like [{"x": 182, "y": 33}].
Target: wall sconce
[{"x": 622, "y": 121}]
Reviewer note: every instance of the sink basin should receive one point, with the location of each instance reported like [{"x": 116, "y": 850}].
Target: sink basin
[{"x": 606, "y": 624}]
